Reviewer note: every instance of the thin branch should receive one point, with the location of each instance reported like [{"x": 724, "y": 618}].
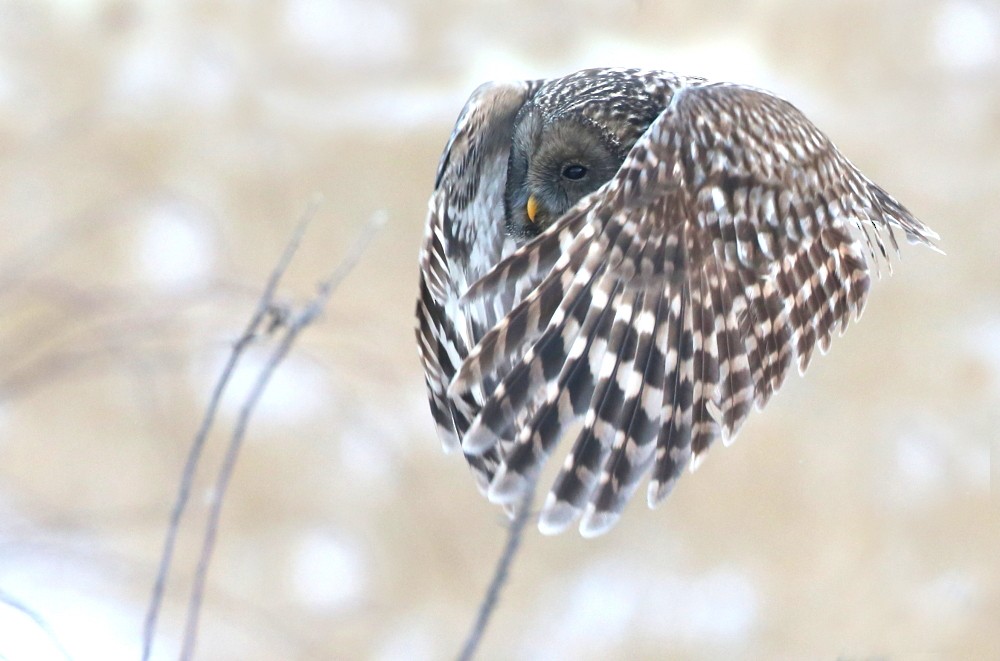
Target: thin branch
[
  {"x": 500, "y": 574},
  {"x": 292, "y": 330},
  {"x": 264, "y": 307},
  {"x": 34, "y": 616}
]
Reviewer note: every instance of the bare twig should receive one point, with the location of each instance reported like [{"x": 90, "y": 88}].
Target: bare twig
[
  {"x": 35, "y": 617},
  {"x": 500, "y": 574},
  {"x": 297, "y": 323},
  {"x": 264, "y": 304},
  {"x": 261, "y": 316}
]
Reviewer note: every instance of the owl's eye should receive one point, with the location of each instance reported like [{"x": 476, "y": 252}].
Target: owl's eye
[{"x": 574, "y": 172}]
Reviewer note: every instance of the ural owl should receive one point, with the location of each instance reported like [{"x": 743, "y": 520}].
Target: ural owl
[{"x": 637, "y": 255}]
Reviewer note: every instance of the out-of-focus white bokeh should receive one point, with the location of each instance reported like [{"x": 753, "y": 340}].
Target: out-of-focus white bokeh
[{"x": 154, "y": 158}]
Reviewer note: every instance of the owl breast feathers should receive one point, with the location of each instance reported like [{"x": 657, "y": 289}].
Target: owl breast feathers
[{"x": 638, "y": 258}]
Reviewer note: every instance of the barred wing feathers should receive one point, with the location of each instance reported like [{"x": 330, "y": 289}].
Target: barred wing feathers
[
  {"x": 463, "y": 240},
  {"x": 659, "y": 310}
]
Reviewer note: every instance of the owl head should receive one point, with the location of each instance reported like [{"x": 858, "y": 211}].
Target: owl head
[{"x": 569, "y": 139}]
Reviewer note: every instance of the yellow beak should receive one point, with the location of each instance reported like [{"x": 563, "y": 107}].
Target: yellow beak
[{"x": 532, "y": 208}]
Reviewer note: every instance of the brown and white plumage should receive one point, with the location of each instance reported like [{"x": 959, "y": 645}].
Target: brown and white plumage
[{"x": 656, "y": 307}]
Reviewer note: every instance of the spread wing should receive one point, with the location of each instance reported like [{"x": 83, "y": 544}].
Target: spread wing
[
  {"x": 463, "y": 239},
  {"x": 734, "y": 239}
]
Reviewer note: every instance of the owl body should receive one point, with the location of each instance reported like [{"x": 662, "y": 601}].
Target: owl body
[{"x": 642, "y": 253}]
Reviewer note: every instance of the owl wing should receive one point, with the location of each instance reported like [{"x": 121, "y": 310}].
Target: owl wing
[
  {"x": 733, "y": 240},
  {"x": 463, "y": 239}
]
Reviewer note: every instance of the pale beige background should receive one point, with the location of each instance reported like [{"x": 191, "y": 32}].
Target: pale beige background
[{"x": 154, "y": 156}]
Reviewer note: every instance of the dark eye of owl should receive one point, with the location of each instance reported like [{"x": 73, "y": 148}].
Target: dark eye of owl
[{"x": 574, "y": 172}]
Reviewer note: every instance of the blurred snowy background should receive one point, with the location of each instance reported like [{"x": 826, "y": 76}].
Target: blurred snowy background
[{"x": 154, "y": 157}]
